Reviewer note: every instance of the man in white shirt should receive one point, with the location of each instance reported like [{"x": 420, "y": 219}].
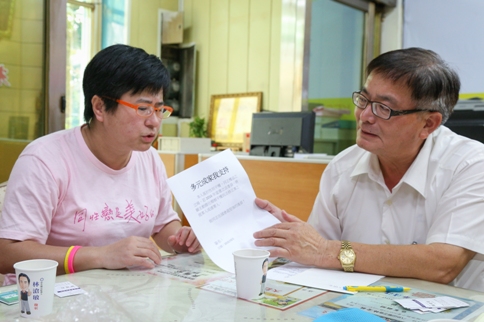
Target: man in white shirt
[{"x": 408, "y": 199}]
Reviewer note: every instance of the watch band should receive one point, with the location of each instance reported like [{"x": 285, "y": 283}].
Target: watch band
[
  {"x": 343, "y": 257},
  {"x": 345, "y": 244}
]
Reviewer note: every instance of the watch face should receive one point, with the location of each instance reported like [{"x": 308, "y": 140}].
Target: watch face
[{"x": 347, "y": 256}]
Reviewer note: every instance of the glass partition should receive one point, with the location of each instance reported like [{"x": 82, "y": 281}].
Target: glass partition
[{"x": 336, "y": 59}]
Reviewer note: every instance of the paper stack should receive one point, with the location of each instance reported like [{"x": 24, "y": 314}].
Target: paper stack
[{"x": 431, "y": 305}]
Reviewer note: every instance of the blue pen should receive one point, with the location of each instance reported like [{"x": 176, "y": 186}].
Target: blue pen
[{"x": 376, "y": 288}]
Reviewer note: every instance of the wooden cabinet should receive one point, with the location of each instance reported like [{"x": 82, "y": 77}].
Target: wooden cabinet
[
  {"x": 177, "y": 162},
  {"x": 291, "y": 186}
]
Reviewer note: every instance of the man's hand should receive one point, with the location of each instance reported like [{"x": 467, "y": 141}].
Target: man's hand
[
  {"x": 293, "y": 238},
  {"x": 130, "y": 251},
  {"x": 184, "y": 240},
  {"x": 266, "y": 205},
  {"x": 282, "y": 215}
]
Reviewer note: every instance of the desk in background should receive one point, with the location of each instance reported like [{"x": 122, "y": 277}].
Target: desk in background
[{"x": 176, "y": 162}]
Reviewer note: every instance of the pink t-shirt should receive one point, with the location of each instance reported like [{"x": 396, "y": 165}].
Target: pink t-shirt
[{"x": 60, "y": 194}]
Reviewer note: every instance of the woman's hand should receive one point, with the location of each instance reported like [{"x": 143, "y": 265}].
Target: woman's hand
[{"x": 184, "y": 240}]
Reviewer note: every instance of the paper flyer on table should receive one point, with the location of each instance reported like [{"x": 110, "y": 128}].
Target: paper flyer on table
[
  {"x": 278, "y": 295},
  {"x": 327, "y": 279},
  {"x": 196, "y": 269},
  {"x": 217, "y": 198}
]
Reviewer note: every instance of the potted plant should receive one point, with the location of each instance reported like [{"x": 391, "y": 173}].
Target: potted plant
[{"x": 198, "y": 128}]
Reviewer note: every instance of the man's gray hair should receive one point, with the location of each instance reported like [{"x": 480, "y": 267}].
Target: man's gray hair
[{"x": 434, "y": 85}]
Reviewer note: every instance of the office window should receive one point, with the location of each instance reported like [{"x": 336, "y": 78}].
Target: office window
[
  {"x": 114, "y": 22},
  {"x": 343, "y": 37},
  {"x": 336, "y": 50},
  {"x": 80, "y": 36}
]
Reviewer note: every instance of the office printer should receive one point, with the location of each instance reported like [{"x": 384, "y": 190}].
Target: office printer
[{"x": 468, "y": 119}]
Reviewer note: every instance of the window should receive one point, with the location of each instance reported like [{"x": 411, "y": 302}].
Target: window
[
  {"x": 343, "y": 39},
  {"x": 81, "y": 44}
]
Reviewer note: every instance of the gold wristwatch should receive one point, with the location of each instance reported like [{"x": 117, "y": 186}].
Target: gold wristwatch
[{"x": 347, "y": 256}]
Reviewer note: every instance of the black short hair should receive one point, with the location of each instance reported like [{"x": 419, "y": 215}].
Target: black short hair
[
  {"x": 120, "y": 69},
  {"x": 265, "y": 261},
  {"x": 434, "y": 85},
  {"x": 24, "y": 275}
]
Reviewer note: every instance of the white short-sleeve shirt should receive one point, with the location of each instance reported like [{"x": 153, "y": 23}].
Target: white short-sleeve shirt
[{"x": 440, "y": 199}]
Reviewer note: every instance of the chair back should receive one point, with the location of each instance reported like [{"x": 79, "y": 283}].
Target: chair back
[{"x": 3, "y": 189}]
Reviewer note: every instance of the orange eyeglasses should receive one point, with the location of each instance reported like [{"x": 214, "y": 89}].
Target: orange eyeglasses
[{"x": 146, "y": 109}]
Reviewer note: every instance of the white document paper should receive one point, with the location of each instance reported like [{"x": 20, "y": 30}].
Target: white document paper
[
  {"x": 218, "y": 200},
  {"x": 326, "y": 279}
]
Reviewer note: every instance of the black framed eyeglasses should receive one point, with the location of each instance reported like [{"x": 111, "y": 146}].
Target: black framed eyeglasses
[{"x": 381, "y": 110}]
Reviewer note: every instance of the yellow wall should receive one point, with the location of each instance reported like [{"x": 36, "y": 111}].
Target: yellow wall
[
  {"x": 471, "y": 95},
  {"x": 237, "y": 41},
  {"x": 9, "y": 152},
  {"x": 238, "y": 48},
  {"x": 143, "y": 24},
  {"x": 21, "y": 53}
]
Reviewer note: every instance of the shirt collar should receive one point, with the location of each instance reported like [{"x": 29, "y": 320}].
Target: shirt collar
[
  {"x": 365, "y": 164},
  {"x": 368, "y": 164},
  {"x": 416, "y": 175}
]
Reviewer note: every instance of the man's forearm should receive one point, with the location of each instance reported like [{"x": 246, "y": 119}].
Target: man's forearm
[{"x": 437, "y": 262}]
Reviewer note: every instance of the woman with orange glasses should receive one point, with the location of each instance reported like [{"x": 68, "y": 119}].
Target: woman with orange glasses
[{"x": 92, "y": 196}]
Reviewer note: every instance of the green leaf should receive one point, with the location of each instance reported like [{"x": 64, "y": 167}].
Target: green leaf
[{"x": 198, "y": 128}]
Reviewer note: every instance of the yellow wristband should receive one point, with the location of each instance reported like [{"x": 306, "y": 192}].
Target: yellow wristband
[{"x": 66, "y": 260}]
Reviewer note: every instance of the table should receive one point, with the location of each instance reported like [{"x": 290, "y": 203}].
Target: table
[{"x": 125, "y": 295}]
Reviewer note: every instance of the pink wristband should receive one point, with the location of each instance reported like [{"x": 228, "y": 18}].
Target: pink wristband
[{"x": 70, "y": 260}]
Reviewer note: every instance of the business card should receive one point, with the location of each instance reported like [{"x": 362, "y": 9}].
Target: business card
[
  {"x": 9, "y": 298},
  {"x": 64, "y": 289}
]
